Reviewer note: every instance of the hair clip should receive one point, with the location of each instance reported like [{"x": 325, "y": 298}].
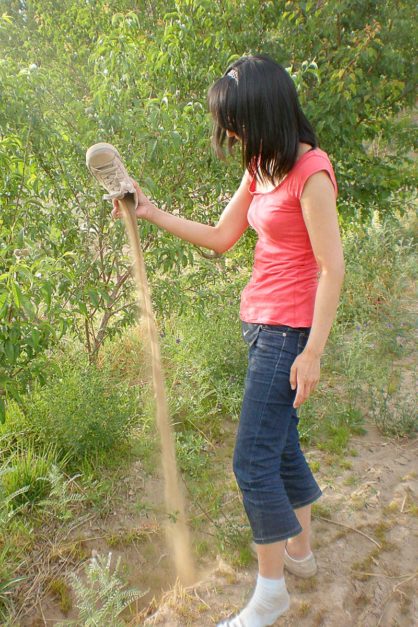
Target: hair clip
[{"x": 233, "y": 74}]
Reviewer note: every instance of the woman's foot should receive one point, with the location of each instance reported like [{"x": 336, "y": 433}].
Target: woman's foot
[
  {"x": 296, "y": 550},
  {"x": 269, "y": 601},
  {"x": 304, "y": 566}
]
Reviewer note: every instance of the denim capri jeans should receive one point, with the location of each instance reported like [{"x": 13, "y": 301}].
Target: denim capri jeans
[{"x": 269, "y": 465}]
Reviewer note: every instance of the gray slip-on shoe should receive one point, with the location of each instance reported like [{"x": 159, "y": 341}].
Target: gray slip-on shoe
[{"x": 301, "y": 568}]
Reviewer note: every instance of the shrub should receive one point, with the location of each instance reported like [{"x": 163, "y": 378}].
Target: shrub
[
  {"x": 205, "y": 363},
  {"x": 394, "y": 414},
  {"x": 376, "y": 254},
  {"x": 80, "y": 412}
]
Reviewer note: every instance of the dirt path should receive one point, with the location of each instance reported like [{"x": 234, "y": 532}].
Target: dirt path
[{"x": 362, "y": 581}]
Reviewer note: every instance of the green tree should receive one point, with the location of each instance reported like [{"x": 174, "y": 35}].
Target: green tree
[{"x": 136, "y": 74}]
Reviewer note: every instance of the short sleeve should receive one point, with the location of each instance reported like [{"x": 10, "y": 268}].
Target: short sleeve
[{"x": 310, "y": 165}]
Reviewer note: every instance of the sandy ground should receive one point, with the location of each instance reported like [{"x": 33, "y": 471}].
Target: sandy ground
[
  {"x": 365, "y": 539},
  {"x": 367, "y": 556}
]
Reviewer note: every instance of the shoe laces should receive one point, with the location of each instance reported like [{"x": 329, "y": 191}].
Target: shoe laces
[{"x": 114, "y": 178}]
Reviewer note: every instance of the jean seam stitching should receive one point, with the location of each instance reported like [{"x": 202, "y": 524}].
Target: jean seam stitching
[
  {"x": 307, "y": 501},
  {"x": 275, "y": 537}
]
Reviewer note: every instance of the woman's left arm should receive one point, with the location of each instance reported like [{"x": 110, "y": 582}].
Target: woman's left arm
[{"x": 321, "y": 219}]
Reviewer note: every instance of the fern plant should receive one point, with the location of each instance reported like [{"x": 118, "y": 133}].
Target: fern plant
[
  {"x": 62, "y": 496},
  {"x": 102, "y": 597}
]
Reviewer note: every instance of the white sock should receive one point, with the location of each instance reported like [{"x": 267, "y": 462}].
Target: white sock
[{"x": 269, "y": 601}]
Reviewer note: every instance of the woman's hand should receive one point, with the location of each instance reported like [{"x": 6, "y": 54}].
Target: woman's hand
[
  {"x": 304, "y": 374},
  {"x": 143, "y": 209}
]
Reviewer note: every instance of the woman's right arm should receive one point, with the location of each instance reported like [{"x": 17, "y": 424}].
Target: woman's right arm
[{"x": 219, "y": 238}]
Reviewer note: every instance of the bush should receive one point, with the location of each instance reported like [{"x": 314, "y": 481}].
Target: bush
[
  {"x": 80, "y": 412},
  {"x": 205, "y": 362},
  {"x": 394, "y": 414},
  {"x": 376, "y": 254}
]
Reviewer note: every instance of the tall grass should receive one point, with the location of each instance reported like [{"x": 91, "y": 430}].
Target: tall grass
[{"x": 26, "y": 478}]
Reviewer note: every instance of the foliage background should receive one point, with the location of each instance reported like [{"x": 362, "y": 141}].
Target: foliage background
[{"x": 136, "y": 74}]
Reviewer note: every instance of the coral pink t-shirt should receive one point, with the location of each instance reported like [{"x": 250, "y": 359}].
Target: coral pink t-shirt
[{"x": 285, "y": 275}]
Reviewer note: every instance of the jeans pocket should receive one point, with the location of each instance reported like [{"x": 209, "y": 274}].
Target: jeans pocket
[{"x": 250, "y": 331}]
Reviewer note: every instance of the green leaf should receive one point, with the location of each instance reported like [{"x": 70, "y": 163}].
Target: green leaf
[
  {"x": 35, "y": 335},
  {"x": 25, "y": 273},
  {"x": 3, "y": 302},
  {"x": 176, "y": 137},
  {"x": 46, "y": 291},
  {"x": 28, "y": 307},
  {"x": 17, "y": 294},
  {"x": 94, "y": 297},
  {"x": 83, "y": 309},
  {"x": 12, "y": 389},
  {"x": 9, "y": 350}
]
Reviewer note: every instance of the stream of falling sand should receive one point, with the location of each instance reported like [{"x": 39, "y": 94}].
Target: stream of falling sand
[{"x": 177, "y": 530}]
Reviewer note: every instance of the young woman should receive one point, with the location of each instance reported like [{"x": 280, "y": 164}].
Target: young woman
[{"x": 288, "y": 195}]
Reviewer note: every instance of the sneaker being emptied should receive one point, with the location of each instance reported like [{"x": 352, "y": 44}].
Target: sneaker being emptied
[{"x": 105, "y": 164}]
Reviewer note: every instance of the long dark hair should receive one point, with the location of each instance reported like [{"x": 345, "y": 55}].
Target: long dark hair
[{"x": 257, "y": 99}]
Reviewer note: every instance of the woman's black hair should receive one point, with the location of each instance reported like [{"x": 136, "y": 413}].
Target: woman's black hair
[{"x": 257, "y": 99}]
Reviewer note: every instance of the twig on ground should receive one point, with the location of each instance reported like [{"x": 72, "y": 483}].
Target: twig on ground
[
  {"x": 42, "y": 612},
  {"x": 46, "y": 564},
  {"x": 394, "y": 589},
  {"x": 334, "y": 522},
  {"x": 360, "y": 572},
  {"x": 161, "y": 557},
  {"x": 202, "y": 433},
  {"x": 200, "y": 599},
  {"x": 203, "y": 513},
  {"x": 78, "y": 523}
]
